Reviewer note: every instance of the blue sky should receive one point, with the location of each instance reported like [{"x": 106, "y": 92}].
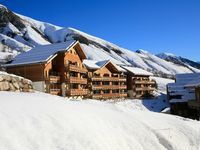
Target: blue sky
[{"x": 154, "y": 25}]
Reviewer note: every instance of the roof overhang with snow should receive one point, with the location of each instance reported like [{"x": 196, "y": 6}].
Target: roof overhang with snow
[
  {"x": 44, "y": 53},
  {"x": 95, "y": 65},
  {"x": 137, "y": 71}
]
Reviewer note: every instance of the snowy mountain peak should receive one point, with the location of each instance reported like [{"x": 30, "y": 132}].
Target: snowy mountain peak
[
  {"x": 3, "y": 7},
  {"x": 141, "y": 51},
  {"x": 165, "y": 55}
]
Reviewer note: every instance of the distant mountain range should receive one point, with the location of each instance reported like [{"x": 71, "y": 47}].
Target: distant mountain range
[{"x": 19, "y": 34}]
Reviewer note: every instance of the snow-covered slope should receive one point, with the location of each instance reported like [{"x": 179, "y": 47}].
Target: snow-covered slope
[
  {"x": 20, "y": 33},
  {"x": 179, "y": 60},
  {"x": 39, "y": 121}
]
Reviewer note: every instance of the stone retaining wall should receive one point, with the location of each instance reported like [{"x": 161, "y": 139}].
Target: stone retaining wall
[{"x": 10, "y": 82}]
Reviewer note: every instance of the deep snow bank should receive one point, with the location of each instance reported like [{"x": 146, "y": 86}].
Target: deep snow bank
[{"x": 37, "y": 121}]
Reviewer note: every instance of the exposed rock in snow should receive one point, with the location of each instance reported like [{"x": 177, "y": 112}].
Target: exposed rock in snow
[{"x": 10, "y": 82}]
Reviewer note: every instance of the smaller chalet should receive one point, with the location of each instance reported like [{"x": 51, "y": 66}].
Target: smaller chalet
[
  {"x": 54, "y": 68},
  {"x": 184, "y": 94},
  {"x": 195, "y": 85},
  {"x": 105, "y": 80},
  {"x": 139, "y": 84}
]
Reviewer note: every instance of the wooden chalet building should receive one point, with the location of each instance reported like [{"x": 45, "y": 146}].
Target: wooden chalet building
[
  {"x": 184, "y": 95},
  {"x": 194, "y": 104},
  {"x": 105, "y": 80},
  {"x": 54, "y": 68},
  {"x": 139, "y": 84}
]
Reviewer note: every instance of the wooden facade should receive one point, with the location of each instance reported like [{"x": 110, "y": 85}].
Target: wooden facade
[
  {"x": 63, "y": 75},
  {"x": 195, "y": 104},
  {"x": 184, "y": 95},
  {"x": 106, "y": 82},
  {"x": 63, "y": 72},
  {"x": 140, "y": 86}
]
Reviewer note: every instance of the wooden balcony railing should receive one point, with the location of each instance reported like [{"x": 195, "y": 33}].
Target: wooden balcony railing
[
  {"x": 55, "y": 91},
  {"x": 144, "y": 82},
  {"x": 77, "y": 92},
  {"x": 76, "y": 80},
  {"x": 54, "y": 79},
  {"x": 75, "y": 68},
  {"x": 144, "y": 88},
  {"x": 123, "y": 94},
  {"x": 109, "y": 95},
  {"x": 108, "y": 79},
  {"x": 97, "y": 87}
]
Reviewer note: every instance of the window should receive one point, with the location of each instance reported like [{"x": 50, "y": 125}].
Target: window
[
  {"x": 106, "y": 83},
  {"x": 106, "y": 91},
  {"x": 97, "y": 92},
  {"x": 106, "y": 75},
  {"x": 74, "y": 86},
  {"x": 115, "y": 83},
  {"x": 115, "y": 91}
]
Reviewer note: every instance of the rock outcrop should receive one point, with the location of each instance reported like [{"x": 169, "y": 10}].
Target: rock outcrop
[{"x": 10, "y": 82}]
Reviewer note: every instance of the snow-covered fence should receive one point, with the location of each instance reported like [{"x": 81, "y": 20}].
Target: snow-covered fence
[{"x": 9, "y": 82}]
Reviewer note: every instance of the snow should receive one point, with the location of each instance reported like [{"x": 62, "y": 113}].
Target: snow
[
  {"x": 165, "y": 55},
  {"x": 41, "y": 33},
  {"x": 99, "y": 54},
  {"x": 137, "y": 71},
  {"x": 162, "y": 83},
  {"x": 194, "y": 83},
  {"x": 173, "y": 68},
  {"x": 10, "y": 28},
  {"x": 40, "y": 121},
  {"x": 92, "y": 64},
  {"x": 35, "y": 38},
  {"x": 2, "y": 6},
  {"x": 180, "y": 88},
  {"x": 41, "y": 53},
  {"x": 12, "y": 43}
]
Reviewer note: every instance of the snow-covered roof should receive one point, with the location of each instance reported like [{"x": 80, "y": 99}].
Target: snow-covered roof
[
  {"x": 194, "y": 83},
  {"x": 92, "y": 64},
  {"x": 179, "y": 88},
  {"x": 41, "y": 53},
  {"x": 137, "y": 71},
  {"x": 119, "y": 68},
  {"x": 178, "y": 100}
]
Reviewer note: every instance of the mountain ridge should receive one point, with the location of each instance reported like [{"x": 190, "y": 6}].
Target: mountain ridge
[{"x": 19, "y": 34}]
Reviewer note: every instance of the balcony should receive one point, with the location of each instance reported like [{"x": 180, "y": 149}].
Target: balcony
[
  {"x": 122, "y": 79},
  {"x": 144, "y": 89},
  {"x": 55, "y": 91},
  {"x": 123, "y": 95},
  {"x": 76, "y": 80},
  {"x": 108, "y": 79},
  {"x": 144, "y": 82},
  {"x": 122, "y": 87},
  {"x": 97, "y": 96},
  {"x": 54, "y": 79},
  {"x": 98, "y": 87},
  {"x": 109, "y": 95},
  {"x": 75, "y": 68},
  {"x": 77, "y": 92}
]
